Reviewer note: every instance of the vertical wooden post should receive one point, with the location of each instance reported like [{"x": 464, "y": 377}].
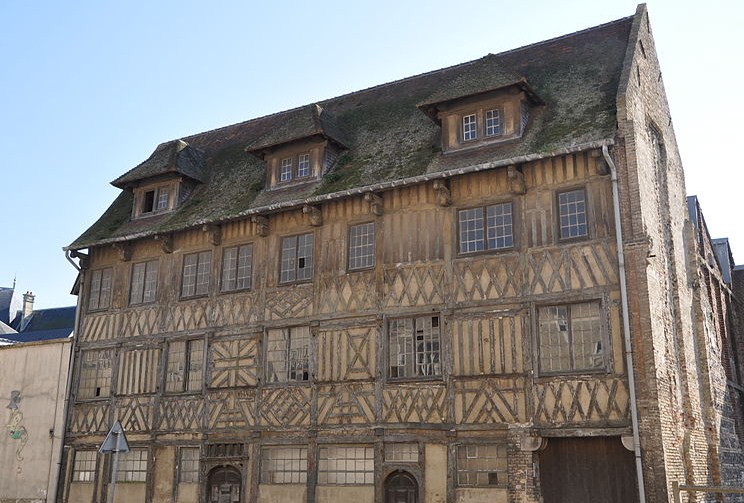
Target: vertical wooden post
[{"x": 675, "y": 491}]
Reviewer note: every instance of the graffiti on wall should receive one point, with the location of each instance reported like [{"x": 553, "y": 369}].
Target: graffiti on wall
[{"x": 15, "y": 429}]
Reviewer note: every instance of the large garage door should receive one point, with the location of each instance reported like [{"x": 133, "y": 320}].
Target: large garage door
[{"x": 587, "y": 470}]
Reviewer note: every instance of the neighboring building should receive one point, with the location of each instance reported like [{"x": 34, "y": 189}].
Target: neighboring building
[{"x": 409, "y": 293}]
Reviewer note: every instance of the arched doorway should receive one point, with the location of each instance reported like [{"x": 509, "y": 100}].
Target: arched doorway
[
  {"x": 401, "y": 487},
  {"x": 224, "y": 485}
]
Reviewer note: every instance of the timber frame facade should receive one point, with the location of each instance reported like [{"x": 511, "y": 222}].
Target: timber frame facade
[{"x": 409, "y": 293}]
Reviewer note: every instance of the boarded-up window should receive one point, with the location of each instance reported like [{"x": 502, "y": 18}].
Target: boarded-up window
[
  {"x": 100, "y": 289},
  {"x": 481, "y": 465},
  {"x": 95, "y": 374},
  {"x": 132, "y": 466},
  {"x": 415, "y": 347},
  {"x": 570, "y": 337},
  {"x": 287, "y": 354},
  {"x": 144, "y": 282},
  {"x": 236, "y": 268},
  {"x": 185, "y": 366},
  {"x": 346, "y": 464},
  {"x": 188, "y": 465},
  {"x": 84, "y": 466},
  {"x": 284, "y": 465},
  {"x": 138, "y": 370},
  {"x": 297, "y": 258},
  {"x": 197, "y": 268}
]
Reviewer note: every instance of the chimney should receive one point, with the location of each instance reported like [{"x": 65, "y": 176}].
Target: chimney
[{"x": 28, "y": 304}]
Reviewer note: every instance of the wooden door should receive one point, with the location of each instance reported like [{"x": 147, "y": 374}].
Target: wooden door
[
  {"x": 401, "y": 487},
  {"x": 587, "y": 470},
  {"x": 224, "y": 485}
]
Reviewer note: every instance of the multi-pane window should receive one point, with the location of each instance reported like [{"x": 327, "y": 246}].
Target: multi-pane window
[
  {"x": 100, "y": 289},
  {"x": 185, "y": 366},
  {"x": 469, "y": 127},
  {"x": 188, "y": 465},
  {"x": 155, "y": 200},
  {"x": 284, "y": 465},
  {"x": 95, "y": 374},
  {"x": 402, "y": 453},
  {"x": 162, "y": 203},
  {"x": 342, "y": 464},
  {"x": 415, "y": 347},
  {"x": 296, "y": 258},
  {"x": 132, "y": 466},
  {"x": 481, "y": 465},
  {"x": 287, "y": 354},
  {"x": 196, "y": 272},
  {"x": 493, "y": 122},
  {"x": 303, "y": 165},
  {"x": 144, "y": 282},
  {"x": 493, "y": 232},
  {"x": 572, "y": 214},
  {"x": 237, "y": 268},
  {"x": 285, "y": 169},
  {"x": 362, "y": 246},
  {"x": 570, "y": 337},
  {"x": 84, "y": 466}
]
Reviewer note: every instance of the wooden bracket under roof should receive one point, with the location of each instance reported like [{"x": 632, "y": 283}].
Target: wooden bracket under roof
[
  {"x": 125, "y": 251},
  {"x": 375, "y": 203},
  {"x": 262, "y": 225},
  {"x": 314, "y": 214},
  {"x": 516, "y": 180},
  {"x": 444, "y": 197},
  {"x": 166, "y": 242},
  {"x": 215, "y": 233}
]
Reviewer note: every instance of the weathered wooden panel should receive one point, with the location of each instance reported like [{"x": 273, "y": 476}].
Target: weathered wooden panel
[
  {"x": 188, "y": 315},
  {"x": 231, "y": 409},
  {"x": 414, "y": 403},
  {"x": 483, "y": 278},
  {"x": 135, "y": 413},
  {"x": 347, "y": 292},
  {"x": 488, "y": 344},
  {"x": 415, "y": 285},
  {"x": 405, "y": 239},
  {"x": 90, "y": 417},
  {"x": 288, "y": 406},
  {"x": 138, "y": 371},
  {"x": 581, "y": 401},
  {"x": 233, "y": 362},
  {"x": 235, "y": 309},
  {"x": 570, "y": 268},
  {"x": 177, "y": 413},
  {"x": 500, "y": 401},
  {"x": 346, "y": 404},
  {"x": 100, "y": 327},
  {"x": 140, "y": 321},
  {"x": 346, "y": 354},
  {"x": 289, "y": 302}
]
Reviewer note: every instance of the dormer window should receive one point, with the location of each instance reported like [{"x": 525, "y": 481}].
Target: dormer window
[
  {"x": 155, "y": 200},
  {"x": 303, "y": 165},
  {"x": 285, "y": 169},
  {"x": 291, "y": 168},
  {"x": 493, "y": 122},
  {"x": 469, "y": 127}
]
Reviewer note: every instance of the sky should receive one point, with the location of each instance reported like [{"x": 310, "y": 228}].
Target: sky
[{"x": 89, "y": 89}]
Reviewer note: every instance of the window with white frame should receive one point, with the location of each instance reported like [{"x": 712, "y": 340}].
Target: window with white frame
[
  {"x": 132, "y": 465},
  {"x": 415, "y": 347},
  {"x": 163, "y": 195},
  {"x": 296, "y": 258},
  {"x": 572, "y": 214},
  {"x": 469, "y": 127},
  {"x": 184, "y": 366},
  {"x": 84, "y": 465},
  {"x": 346, "y": 464},
  {"x": 144, "y": 282},
  {"x": 100, "y": 289},
  {"x": 284, "y": 465},
  {"x": 188, "y": 465},
  {"x": 570, "y": 338},
  {"x": 155, "y": 200},
  {"x": 197, "y": 269},
  {"x": 362, "y": 246},
  {"x": 486, "y": 228},
  {"x": 493, "y": 122},
  {"x": 285, "y": 169},
  {"x": 481, "y": 465},
  {"x": 303, "y": 165},
  {"x": 95, "y": 374},
  {"x": 237, "y": 268},
  {"x": 287, "y": 355},
  {"x": 402, "y": 453}
]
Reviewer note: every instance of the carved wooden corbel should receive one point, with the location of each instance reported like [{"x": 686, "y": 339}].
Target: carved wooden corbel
[
  {"x": 315, "y": 215},
  {"x": 444, "y": 197},
  {"x": 516, "y": 180},
  {"x": 166, "y": 242},
  {"x": 375, "y": 203},
  {"x": 262, "y": 225},
  {"x": 215, "y": 233},
  {"x": 83, "y": 258},
  {"x": 125, "y": 251}
]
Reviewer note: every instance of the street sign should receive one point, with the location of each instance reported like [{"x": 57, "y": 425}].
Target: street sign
[{"x": 115, "y": 441}]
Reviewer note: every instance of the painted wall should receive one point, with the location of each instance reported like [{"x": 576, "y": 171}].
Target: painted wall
[{"x": 33, "y": 378}]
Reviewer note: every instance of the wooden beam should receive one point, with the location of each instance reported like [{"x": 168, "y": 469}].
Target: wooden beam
[{"x": 315, "y": 215}]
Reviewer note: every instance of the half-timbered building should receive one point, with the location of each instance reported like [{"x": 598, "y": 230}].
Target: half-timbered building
[{"x": 466, "y": 285}]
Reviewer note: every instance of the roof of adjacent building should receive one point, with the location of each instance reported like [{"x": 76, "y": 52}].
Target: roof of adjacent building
[
  {"x": 386, "y": 137},
  {"x": 6, "y": 298},
  {"x": 45, "y": 324}
]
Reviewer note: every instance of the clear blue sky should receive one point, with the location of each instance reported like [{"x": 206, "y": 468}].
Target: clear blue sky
[{"x": 89, "y": 89}]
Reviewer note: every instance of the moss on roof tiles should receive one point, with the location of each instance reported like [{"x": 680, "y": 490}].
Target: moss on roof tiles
[
  {"x": 388, "y": 138},
  {"x": 174, "y": 156}
]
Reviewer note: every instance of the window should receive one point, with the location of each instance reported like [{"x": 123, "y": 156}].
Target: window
[
  {"x": 100, "y": 289},
  {"x": 414, "y": 347},
  {"x": 132, "y": 466},
  {"x": 95, "y": 374},
  {"x": 294, "y": 167},
  {"x": 469, "y": 127},
  {"x": 285, "y": 169},
  {"x": 303, "y": 165},
  {"x": 185, "y": 366},
  {"x": 346, "y": 465},
  {"x": 155, "y": 200},
  {"x": 287, "y": 354},
  {"x": 297, "y": 258},
  {"x": 481, "y": 465},
  {"x": 284, "y": 465},
  {"x": 236, "y": 268},
  {"x": 401, "y": 453},
  {"x": 84, "y": 466},
  {"x": 144, "y": 282},
  {"x": 494, "y": 232},
  {"x": 196, "y": 272},
  {"x": 188, "y": 465},
  {"x": 572, "y": 214},
  {"x": 570, "y": 337},
  {"x": 362, "y": 246},
  {"x": 524, "y": 116},
  {"x": 493, "y": 123},
  {"x": 162, "y": 199}
]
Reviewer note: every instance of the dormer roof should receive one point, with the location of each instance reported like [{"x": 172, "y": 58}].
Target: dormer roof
[{"x": 172, "y": 157}]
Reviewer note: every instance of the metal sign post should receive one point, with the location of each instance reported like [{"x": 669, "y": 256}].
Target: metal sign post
[{"x": 116, "y": 442}]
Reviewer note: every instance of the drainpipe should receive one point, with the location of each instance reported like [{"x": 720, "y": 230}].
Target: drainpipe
[{"x": 626, "y": 325}]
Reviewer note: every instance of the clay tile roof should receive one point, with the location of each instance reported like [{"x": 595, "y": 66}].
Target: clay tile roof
[{"x": 175, "y": 156}]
